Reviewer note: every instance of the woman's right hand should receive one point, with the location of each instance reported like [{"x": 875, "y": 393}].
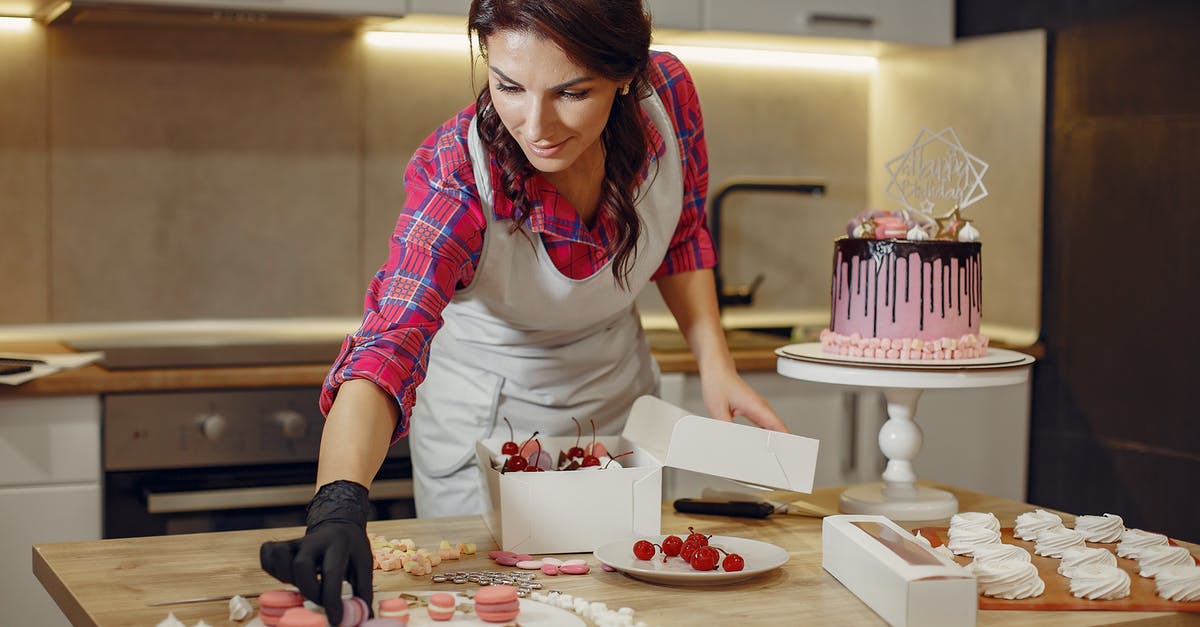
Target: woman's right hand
[{"x": 334, "y": 548}]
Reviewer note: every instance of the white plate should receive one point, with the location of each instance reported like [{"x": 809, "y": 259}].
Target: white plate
[
  {"x": 995, "y": 358},
  {"x": 760, "y": 557}
]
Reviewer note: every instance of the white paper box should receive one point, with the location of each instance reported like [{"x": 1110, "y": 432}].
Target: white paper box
[
  {"x": 577, "y": 511},
  {"x": 904, "y": 581}
]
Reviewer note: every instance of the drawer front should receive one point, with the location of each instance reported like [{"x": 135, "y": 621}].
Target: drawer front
[{"x": 49, "y": 440}]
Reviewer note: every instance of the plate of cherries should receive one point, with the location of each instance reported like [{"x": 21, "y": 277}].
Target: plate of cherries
[{"x": 692, "y": 558}]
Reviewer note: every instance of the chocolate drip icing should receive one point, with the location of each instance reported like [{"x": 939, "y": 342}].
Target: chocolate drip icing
[{"x": 959, "y": 266}]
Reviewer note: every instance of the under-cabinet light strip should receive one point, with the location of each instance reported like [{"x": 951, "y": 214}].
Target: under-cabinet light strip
[{"x": 15, "y": 23}]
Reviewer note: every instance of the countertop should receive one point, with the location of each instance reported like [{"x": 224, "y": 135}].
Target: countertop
[{"x": 108, "y": 582}]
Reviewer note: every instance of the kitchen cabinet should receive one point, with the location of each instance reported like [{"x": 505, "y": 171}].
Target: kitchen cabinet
[
  {"x": 49, "y": 492},
  {"x": 439, "y": 7},
  {"x": 975, "y": 438},
  {"x": 925, "y": 22}
]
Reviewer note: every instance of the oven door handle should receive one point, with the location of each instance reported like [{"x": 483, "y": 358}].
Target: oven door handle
[{"x": 266, "y": 496}]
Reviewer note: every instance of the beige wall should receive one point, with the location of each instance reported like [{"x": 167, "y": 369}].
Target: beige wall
[{"x": 184, "y": 172}]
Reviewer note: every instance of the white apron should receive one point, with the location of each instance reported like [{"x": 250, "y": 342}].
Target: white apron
[{"x": 526, "y": 342}]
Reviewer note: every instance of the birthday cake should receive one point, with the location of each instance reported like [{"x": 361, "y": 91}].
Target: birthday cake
[{"x": 908, "y": 284}]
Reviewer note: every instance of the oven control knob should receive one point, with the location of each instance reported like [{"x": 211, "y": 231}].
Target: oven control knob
[
  {"x": 292, "y": 423},
  {"x": 212, "y": 426}
]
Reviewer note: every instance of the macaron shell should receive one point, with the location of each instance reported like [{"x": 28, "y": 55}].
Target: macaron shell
[
  {"x": 354, "y": 611},
  {"x": 301, "y": 617},
  {"x": 498, "y": 612},
  {"x": 495, "y": 594},
  {"x": 441, "y": 606},
  {"x": 384, "y": 622}
]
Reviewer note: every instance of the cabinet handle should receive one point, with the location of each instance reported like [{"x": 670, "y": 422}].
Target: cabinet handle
[
  {"x": 850, "y": 412},
  {"x": 837, "y": 19},
  {"x": 268, "y": 496}
]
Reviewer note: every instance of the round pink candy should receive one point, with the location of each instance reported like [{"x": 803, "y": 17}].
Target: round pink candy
[
  {"x": 496, "y": 554},
  {"x": 507, "y": 560},
  {"x": 550, "y": 569},
  {"x": 574, "y": 569}
]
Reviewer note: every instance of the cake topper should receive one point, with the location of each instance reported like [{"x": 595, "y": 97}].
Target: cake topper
[{"x": 935, "y": 179}]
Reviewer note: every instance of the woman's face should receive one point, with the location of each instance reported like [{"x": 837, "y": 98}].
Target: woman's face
[{"x": 555, "y": 109}]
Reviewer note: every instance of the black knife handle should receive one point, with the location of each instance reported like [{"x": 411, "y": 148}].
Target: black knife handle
[{"x": 741, "y": 509}]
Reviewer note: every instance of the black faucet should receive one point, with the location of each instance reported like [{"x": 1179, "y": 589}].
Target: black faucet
[{"x": 744, "y": 294}]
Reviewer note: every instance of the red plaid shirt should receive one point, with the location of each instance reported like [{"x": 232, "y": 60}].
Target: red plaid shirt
[{"x": 439, "y": 237}]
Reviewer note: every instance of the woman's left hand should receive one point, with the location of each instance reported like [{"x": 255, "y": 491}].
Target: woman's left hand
[{"x": 728, "y": 395}]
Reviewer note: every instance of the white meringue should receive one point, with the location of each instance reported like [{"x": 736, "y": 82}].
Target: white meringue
[
  {"x": 987, "y": 520},
  {"x": 1178, "y": 583},
  {"x": 1077, "y": 556},
  {"x": 171, "y": 621},
  {"x": 1098, "y": 581},
  {"x": 964, "y": 540},
  {"x": 1030, "y": 524},
  {"x": 968, "y": 233},
  {"x": 1153, "y": 559},
  {"x": 1000, "y": 552},
  {"x": 916, "y": 234},
  {"x": 1008, "y": 579},
  {"x": 1053, "y": 542},
  {"x": 1106, "y": 528},
  {"x": 1134, "y": 540},
  {"x": 239, "y": 608}
]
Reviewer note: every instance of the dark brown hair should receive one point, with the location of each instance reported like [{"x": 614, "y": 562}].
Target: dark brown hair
[{"x": 610, "y": 38}]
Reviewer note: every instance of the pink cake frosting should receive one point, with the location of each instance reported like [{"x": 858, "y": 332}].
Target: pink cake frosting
[{"x": 904, "y": 299}]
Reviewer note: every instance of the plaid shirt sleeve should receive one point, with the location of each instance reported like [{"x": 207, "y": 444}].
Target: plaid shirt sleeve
[
  {"x": 434, "y": 249},
  {"x": 691, "y": 246}
]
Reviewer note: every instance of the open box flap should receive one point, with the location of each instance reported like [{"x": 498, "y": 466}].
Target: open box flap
[{"x": 724, "y": 449}]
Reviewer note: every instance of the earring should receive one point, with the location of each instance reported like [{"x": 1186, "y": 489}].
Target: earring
[{"x": 625, "y": 89}]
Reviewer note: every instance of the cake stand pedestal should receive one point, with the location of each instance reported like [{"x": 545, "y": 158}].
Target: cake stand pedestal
[{"x": 899, "y": 497}]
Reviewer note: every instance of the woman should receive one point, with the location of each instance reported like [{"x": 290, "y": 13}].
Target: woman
[{"x": 532, "y": 220}]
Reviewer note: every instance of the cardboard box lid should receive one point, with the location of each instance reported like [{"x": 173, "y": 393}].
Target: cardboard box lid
[
  {"x": 752, "y": 455},
  {"x": 895, "y": 547}
]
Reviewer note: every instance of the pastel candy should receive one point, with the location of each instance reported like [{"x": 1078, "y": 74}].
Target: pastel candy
[
  {"x": 570, "y": 562},
  {"x": 508, "y": 560},
  {"x": 607, "y": 568},
  {"x": 497, "y": 554},
  {"x": 529, "y": 564},
  {"x": 553, "y": 561},
  {"x": 550, "y": 569},
  {"x": 573, "y": 569}
]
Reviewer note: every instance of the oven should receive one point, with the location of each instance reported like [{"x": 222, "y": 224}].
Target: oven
[{"x": 197, "y": 461}]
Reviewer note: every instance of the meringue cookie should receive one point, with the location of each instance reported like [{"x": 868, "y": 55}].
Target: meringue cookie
[
  {"x": 1153, "y": 559},
  {"x": 1030, "y": 524},
  {"x": 239, "y": 608},
  {"x": 1178, "y": 583},
  {"x": 916, "y": 234},
  {"x": 1053, "y": 542},
  {"x": 1098, "y": 581},
  {"x": 1008, "y": 579},
  {"x": 987, "y": 520},
  {"x": 1106, "y": 528},
  {"x": 1134, "y": 540},
  {"x": 964, "y": 540},
  {"x": 1000, "y": 552},
  {"x": 1077, "y": 556},
  {"x": 171, "y": 621},
  {"x": 968, "y": 233}
]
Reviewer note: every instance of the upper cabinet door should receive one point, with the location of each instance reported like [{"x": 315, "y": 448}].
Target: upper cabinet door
[
  {"x": 681, "y": 14},
  {"x": 441, "y": 7},
  {"x": 927, "y": 22}
]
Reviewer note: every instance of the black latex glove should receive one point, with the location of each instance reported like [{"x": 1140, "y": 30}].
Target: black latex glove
[{"x": 334, "y": 547}]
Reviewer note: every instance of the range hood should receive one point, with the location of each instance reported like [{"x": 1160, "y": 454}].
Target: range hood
[{"x": 330, "y": 13}]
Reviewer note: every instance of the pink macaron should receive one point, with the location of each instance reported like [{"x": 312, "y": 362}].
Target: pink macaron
[
  {"x": 301, "y": 617},
  {"x": 395, "y": 608},
  {"x": 497, "y": 604},
  {"x": 441, "y": 606},
  {"x": 273, "y": 603}
]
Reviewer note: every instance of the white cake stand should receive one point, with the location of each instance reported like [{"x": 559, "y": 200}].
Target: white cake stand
[{"x": 900, "y": 438}]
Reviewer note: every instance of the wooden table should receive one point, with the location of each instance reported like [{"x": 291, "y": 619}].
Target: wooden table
[{"x": 109, "y": 582}]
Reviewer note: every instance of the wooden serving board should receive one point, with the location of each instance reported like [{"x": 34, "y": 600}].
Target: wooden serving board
[{"x": 1142, "y": 595}]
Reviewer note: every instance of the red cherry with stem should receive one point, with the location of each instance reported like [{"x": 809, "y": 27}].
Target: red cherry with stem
[
  {"x": 703, "y": 559},
  {"x": 610, "y": 460},
  {"x": 590, "y": 460},
  {"x": 643, "y": 549},
  {"x": 576, "y": 451},
  {"x": 671, "y": 546},
  {"x": 516, "y": 463},
  {"x": 510, "y": 447},
  {"x": 688, "y": 549},
  {"x": 699, "y": 537},
  {"x": 733, "y": 562}
]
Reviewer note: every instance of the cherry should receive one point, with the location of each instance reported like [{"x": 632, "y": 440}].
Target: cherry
[
  {"x": 733, "y": 562},
  {"x": 705, "y": 558},
  {"x": 688, "y": 549},
  {"x": 671, "y": 546},
  {"x": 576, "y": 451},
  {"x": 643, "y": 549},
  {"x": 510, "y": 447},
  {"x": 698, "y": 537},
  {"x": 590, "y": 460},
  {"x": 516, "y": 463}
]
